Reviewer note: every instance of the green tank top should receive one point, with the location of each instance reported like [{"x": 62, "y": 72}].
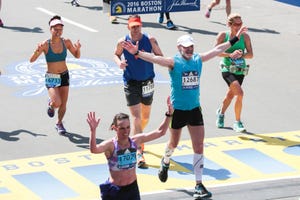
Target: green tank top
[{"x": 241, "y": 63}]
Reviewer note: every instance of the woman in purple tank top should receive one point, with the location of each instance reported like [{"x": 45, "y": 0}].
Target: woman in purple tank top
[{"x": 120, "y": 152}]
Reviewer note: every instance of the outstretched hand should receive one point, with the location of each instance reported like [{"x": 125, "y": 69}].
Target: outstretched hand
[
  {"x": 92, "y": 121},
  {"x": 242, "y": 30},
  {"x": 131, "y": 48}
]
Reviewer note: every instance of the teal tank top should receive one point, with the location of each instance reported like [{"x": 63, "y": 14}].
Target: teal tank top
[
  {"x": 56, "y": 57},
  {"x": 185, "y": 82}
]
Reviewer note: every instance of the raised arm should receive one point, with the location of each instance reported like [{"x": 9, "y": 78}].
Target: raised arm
[
  {"x": 249, "y": 52},
  {"x": 160, "y": 60},
  {"x": 160, "y": 131},
  {"x": 93, "y": 123},
  {"x": 118, "y": 54},
  {"x": 155, "y": 47},
  {"x": 237, "y": 53},
  {"x": 73, "y": 48},
  {"x": 223, "y": 46},
  {"x": 38, "y": 51}
]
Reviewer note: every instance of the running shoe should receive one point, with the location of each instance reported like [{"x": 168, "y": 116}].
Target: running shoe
[
  {"x": 1, "y": 23},
  {"x": 141, "y": 160},
  {"x": 75, "y": 3},
  {"x": 50, "y": 110},
  {"x": 161, "y": 18},
  {"x": 163, "y": 171},
  {"x": 207, "y": 14},
  {"x": 60, "y": 129},
  {"x": 220, "y": 119},
  {"x": 170, "y": 25},
  {"x": 238, "y": 127},
  {"x": 201, "y": 192}
]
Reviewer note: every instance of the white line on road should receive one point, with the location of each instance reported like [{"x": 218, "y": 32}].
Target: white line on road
[{"x": 67, "y": 20}]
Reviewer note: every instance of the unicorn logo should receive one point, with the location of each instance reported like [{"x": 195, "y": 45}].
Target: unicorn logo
[{"x": 118, "y": 8}]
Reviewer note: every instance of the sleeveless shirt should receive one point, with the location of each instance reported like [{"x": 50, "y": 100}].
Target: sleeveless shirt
[
  {"x": 185, "y": 80},
  {"x": 241, "y": 62},
  {"x": 138, "y": 69},
  {"x": 123, "y": 159},
  {"x": 56, "y": 57}
]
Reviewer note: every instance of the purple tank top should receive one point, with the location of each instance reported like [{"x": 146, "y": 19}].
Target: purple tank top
[{"x": 123, "y": 159}]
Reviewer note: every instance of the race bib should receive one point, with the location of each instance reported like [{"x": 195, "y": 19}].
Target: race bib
[
  {"x": 52, "y": 80},
  {"x": 238, "y": 62},
  {"x": 126, "y": 158},
  {"x": 148, "y": 89},
  {"x": 190, "y": 80}
]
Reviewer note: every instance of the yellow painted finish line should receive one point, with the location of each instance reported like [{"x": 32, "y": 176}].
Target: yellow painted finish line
[{"x": 228, "y": 160}]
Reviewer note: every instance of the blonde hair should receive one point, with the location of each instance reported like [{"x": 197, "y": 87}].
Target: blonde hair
[{"x": 232, "y": 17}]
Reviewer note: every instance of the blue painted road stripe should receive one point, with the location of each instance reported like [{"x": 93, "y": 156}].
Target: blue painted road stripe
[
  {"x": 259, "y": 161},
  {"x": 45, "y": 186}
]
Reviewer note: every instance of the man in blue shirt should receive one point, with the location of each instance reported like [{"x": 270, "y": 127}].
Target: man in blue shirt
[
  {"x": 185, "y": 70},
  {"x": 138, "y": 76}
]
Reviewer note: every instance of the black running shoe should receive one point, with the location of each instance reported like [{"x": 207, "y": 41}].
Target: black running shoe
[
  {"x": 163, "y": 171},
  {"x": 201, "y": 192},
  {"x": 50, "y": 110},
  {"x": 141, "y": 160},
  {"x": 75, "y": 3}
]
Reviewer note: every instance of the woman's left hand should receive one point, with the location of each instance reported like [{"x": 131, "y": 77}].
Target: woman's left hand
[{"x": 77, "y": 45}]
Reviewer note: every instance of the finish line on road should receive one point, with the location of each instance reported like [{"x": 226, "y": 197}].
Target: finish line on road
[{"x": 228, "y": 160}]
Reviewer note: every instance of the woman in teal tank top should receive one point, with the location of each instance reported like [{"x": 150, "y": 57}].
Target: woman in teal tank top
[
  {"x": 234, "y": 68},
  {"x": 57, "y": 74}
]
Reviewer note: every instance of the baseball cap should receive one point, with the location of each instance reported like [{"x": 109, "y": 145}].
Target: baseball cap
[
  {"x": 134, "y": 21},
  {"x": 56, "y": 22},
  {"x": 185, "y": 40}
]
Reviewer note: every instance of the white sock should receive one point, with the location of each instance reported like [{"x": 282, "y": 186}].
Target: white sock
[
  {"x": 168, "y": 154},
  {"x": 198, "y": 166}
]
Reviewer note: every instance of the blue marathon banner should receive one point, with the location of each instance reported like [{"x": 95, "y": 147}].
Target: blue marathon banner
[{"x": 130, "y": 7}]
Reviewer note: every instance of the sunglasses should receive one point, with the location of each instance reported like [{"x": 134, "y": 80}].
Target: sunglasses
[
  {"x": 57, "y": 29},
  {"x": 237, "y": 24}
]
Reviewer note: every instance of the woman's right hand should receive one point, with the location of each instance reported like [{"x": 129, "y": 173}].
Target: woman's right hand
[
  {"x": 92, "y": 121},
  {"x": 236, "y": 54},
  {"x": 242, "y": 30}
]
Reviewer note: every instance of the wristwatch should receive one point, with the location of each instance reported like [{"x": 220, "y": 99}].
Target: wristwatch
[{"x": 168, "y": 115}]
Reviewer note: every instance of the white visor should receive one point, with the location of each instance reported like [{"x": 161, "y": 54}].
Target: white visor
[{"x": 55, "y": 22}]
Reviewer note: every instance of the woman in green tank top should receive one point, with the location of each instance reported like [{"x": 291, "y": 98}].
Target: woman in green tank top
[{"x": 234, "y": 69}]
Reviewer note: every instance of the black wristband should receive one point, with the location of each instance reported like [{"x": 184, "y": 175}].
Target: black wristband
[
  {"x": 168, "y": 115},
  {"x": 233, "y": 40},
  {"x": 137, "y": 52}
]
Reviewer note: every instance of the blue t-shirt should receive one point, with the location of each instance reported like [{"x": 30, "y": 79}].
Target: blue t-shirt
[
  {"x": 185, "y": 82},
  {"x": 138, "y": 69}
]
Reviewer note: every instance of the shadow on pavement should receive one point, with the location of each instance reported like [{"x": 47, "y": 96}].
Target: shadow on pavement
[
  {"x": 11, "y": 136},
  {"x": 24, "y": 29},
  {"x": 269, "y": 140},
  {"x": 79, "y": 140},
  {"x": 157, "y": 25},
  {"x": 218, "y": 174},
  {"x": 261, "y": 30},
  {"x": 97, "y": 8}
]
